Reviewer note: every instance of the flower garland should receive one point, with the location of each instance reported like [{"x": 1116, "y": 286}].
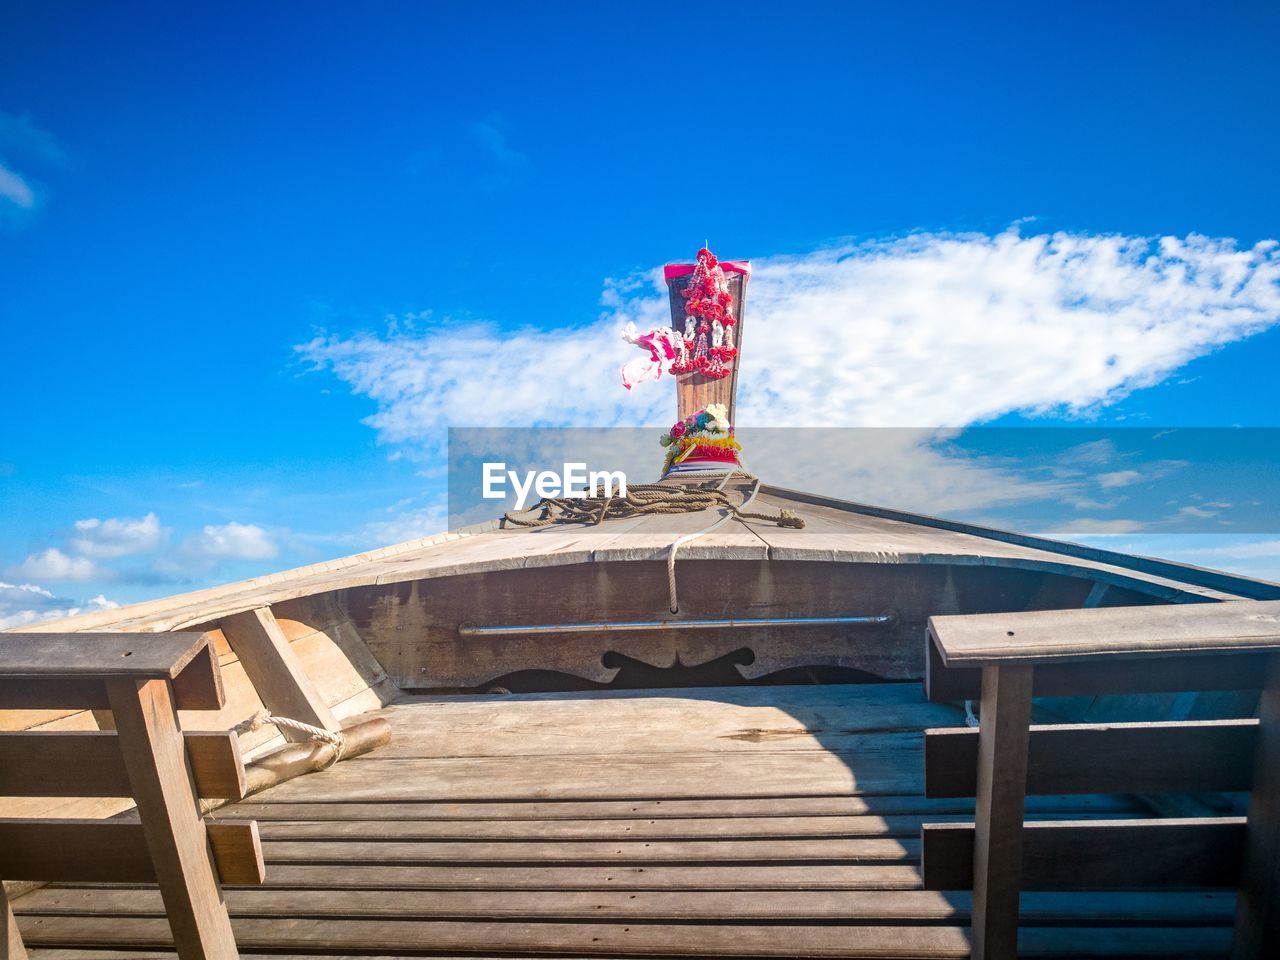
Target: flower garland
[
  {"x": 707, "y": 432},
  {"x": 707, "y": 344}
]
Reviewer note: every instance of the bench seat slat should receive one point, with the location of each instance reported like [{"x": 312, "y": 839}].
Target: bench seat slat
[
  {"x": 115, "y": 851},
  {"x": 1115, "y": 855},
  {"x": 1236, "y": 671},
  {"x": 89, "y": 764},
  {"x": 1211, "y": 755},
  {"x": 197, "y": 681}
]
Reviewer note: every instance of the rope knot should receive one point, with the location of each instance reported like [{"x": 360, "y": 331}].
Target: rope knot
[{"x": 264, "y": 718}]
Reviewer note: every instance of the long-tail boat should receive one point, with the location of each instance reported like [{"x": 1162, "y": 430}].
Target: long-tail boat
[{"x": 803, "y": 727}]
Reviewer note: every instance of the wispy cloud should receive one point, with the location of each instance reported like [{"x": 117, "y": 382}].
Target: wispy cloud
[
  {"x": 228, "y": 541},
  {"x": 930, "y": 330},
  {"x": 19, "y": 133},
  {"x": 20, "y": 137},
  {"x": 138, "y": 551},
  {"x": 489, "y": 135},
  {"x": 26, "y": 603},
  {"x": 53, "y": 564},
  {"x": 937, "y": 330},
  {"x": 118, "y": 536},
  {"x": 16, "y": 190}
]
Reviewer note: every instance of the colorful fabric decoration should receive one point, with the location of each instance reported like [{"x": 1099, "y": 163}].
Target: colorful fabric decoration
[
  {"x": 708, "y": 321},
  {"x": 705, "y": 436},
  {"x": 706, "y": 343},
  {"x": 663, "y": 345}
]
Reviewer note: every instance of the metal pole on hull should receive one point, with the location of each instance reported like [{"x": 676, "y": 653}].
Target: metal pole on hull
[{"x": 877, "y": 620}]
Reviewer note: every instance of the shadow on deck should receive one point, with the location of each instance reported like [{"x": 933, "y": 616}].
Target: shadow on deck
[{"x": 731, "y": 821}]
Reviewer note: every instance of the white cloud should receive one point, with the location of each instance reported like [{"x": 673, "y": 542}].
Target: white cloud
[
  {"x": 1248, "y": 550},
  {"x": 230, "y": 541},
  {"x": 1091, "y": 527},
  {"x": 1195, "y": 513},
  {"x": 53, "y": 564},
  {"x": 930, "y": 330},
  {"x": 410, "y": 525},
  {"x": 15, "y": 190},
  {"x": 936, "y": 330},
  {"x": 1119, "y": 478},
  {"x": 18, "y": 135},
  {"x": 118, "y": 536},
  {"x": 489, "y": 135},
  {"x": 26, "y": 603}
]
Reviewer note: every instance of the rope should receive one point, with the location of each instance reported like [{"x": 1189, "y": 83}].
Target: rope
[
  {"x": 655, "y": 499},
  {"x": 263, "y": 718},
  {"x": 643, "y": 500}
]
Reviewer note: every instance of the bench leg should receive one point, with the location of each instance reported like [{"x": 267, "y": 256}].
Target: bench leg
[
  {"x": 156, "y": 760},
  {"x": 1003, "y": 735},
  {"x": 11, "y": 947},
  {"x": 1257, "y": 932}
]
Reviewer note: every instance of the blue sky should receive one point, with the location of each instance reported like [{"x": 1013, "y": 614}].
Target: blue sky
[{"x": 187, "y": 195}]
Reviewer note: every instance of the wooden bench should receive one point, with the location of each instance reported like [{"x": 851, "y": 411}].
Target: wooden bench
[
  {"x": 1005, "y": 659},
  {"x": 143, "y": 680}
]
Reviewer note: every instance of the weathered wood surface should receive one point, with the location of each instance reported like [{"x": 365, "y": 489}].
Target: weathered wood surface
[
  {"x": 895, "y": 766},
  {"x": 1205, "y": 755},
  {"x": 100, "y": 655},
  {"x": 413, "y": 627},
  {"x": 1037, "y": 942},
  {"x": 515, "y": 843},
  {"x": 90, "y": 764},
  {"x": 275, "y": 670},
  {"x": 11, "y": 945},
  {"x": 1190, "y": 852},
  {"x": 735, "y": 719},
  {"x": 904, "y": 875},
  {"x": 1001, "y": 789},
  {"x": 1258, "y": 917},
  {"x": 522, "y": 938},
  {"x": 1060, "y": 636},
  {"x": 1239, "y": 671},
  {"x": 707, "y": 811},
  {"x": 71, "y": 669},
  {"x": 1192, "y": 909},
  {"x": 164, "y": 790},
  {"x": 114, "y": 851},
  {"x": 299, "y": 759},
  {"x": 695, "y": 828}
]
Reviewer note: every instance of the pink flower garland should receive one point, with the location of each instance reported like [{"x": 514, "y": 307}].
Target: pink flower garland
[{"x": 709, "y": 322}]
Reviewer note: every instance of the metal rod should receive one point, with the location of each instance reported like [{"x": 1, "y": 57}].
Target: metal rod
[{"x": 881, "y": 619}]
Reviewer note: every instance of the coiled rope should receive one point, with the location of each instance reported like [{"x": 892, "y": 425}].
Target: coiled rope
[
  {"x": 652, "y": 499},
  {"x": 263, "y": 718}
]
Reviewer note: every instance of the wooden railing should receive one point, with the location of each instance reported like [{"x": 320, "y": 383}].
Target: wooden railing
[
  {"x": 143, "y": 680},
  {"x": 1005, "y": 659}
]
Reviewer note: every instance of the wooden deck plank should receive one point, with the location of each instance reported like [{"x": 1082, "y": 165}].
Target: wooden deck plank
[
  {"x": 870, "y": 906},
  {"x": 261, "y": 808},
  {"x": 712, "y": 719},
  {"x": 895, "y": 767},
  {"x": 626, "y": 824},
  {"x": 533, "y": 876},
  {"x": 699, "y": 828},
  {"x": 637, "y": 939},
  {"x": 590, "y": 851}
]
